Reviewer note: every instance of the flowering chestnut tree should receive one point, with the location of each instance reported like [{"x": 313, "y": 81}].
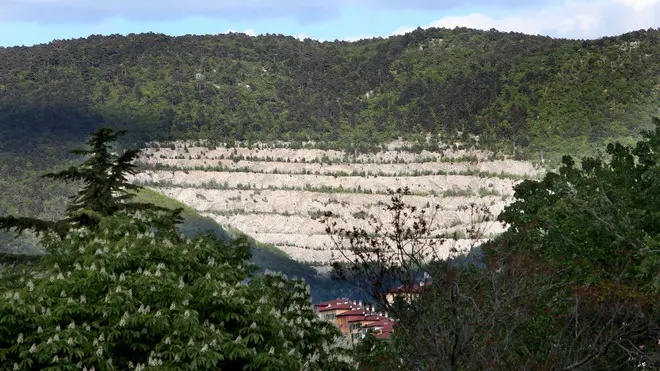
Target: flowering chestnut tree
[{"x": 134, "y": 297}]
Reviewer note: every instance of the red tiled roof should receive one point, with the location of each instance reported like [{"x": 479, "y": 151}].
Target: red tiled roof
[
  {"x": 333, "y": 301},
  {"x": 384, "y": 335},
  {"x": 335, "y": 304},
  {"x": 382, "y": 322},
  {"x": 373, "y": 317},
  {"x": 363, "y": 317},
  {"x": 354, "y": 312}
]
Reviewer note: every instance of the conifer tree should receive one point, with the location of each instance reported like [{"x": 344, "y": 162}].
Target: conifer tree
[{"x": 105, "y": 189}]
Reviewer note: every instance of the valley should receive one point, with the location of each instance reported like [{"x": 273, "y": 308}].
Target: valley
[{"x": 278, "y": 195}]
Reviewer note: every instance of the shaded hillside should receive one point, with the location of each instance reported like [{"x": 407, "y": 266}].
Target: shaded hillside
[
  {"x": 533, "y": 91},
  {"x": 264, "y": 256}
]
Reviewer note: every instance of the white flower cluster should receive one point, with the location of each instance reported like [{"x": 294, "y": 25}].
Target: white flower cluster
[
  {"x": 313, "y": 358},
  {"x": 143, "y": 309},
  {"x": 275, "y": 313},
  {"x": 122, "y": 321},
  {"x": 271, "y": 273},
  {"x": 10, "y": 295},
  {"x": 154, "y": 360}
]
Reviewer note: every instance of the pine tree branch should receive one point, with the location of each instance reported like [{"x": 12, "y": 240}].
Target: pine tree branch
[
  {"x": 71, "y": 174},
  {"x": 38, "y": 226}
]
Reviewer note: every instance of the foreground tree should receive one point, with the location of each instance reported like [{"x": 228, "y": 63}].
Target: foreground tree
[
  {"x": 121, "y": 288},
  {"x": 448, "y": 323},
  {"x": 596, "y": 226},
  {"x": 601, "y": 218},
  {"x": 129, "y": 296}
]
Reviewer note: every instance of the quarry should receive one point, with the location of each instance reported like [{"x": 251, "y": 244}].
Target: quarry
[{"x": 278, "y": 195}]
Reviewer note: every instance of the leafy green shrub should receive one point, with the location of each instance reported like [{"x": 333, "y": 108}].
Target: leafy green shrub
[{"x": 458, "y": 192}]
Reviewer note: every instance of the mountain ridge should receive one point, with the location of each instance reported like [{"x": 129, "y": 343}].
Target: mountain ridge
[{"x": 504, "y": 87}]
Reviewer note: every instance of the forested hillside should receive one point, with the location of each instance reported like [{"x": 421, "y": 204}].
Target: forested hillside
[{"x": 531, "y": 90}]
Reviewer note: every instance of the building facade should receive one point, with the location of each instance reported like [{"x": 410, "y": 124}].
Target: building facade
[{"x": 354, "y": 319}]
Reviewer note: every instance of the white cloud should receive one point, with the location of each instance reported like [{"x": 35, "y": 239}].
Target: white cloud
[
  {"x": 570, "y": 19},
  {"x": 249, "y": 32},
  {"x": 402, "y": 30},
  {"x": 301, "y": 36},
  {"x": 638, "y": 5}
]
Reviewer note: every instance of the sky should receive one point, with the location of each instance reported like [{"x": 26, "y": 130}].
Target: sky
[{"x": 29, "y": 22}]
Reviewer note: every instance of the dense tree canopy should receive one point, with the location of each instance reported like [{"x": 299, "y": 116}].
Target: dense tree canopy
[
  {"x": 126, "y": 295},
  {"x": 530, "y": 90},
  {"x": 601, "y": 218}
]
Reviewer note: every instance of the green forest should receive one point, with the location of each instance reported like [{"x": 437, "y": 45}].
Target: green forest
[{"x": 532, "y": 91}]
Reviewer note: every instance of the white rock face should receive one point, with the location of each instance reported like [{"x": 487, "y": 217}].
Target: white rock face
[{"x": 278, "y": 195}]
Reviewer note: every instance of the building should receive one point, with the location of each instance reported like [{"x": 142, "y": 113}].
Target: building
[
  {"x": 360, "y": 327},
  {"x": 331, "y": 311},
  {"x": 355, "y": 320},
  {"x": 381, "y": 328}
]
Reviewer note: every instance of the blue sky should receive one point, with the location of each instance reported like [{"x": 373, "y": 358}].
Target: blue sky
[{"x": 28, "y": 22}]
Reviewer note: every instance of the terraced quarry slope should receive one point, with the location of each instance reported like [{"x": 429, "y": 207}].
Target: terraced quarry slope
[{"x": 277, "y": 195}]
